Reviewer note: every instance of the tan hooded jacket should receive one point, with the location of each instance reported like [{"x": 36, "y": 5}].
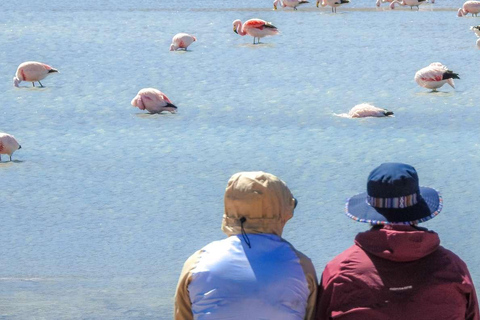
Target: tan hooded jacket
[{"x": 266, "y": 204}]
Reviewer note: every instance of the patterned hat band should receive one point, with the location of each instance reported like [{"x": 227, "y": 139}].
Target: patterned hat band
[{"x": 394, "y": 203}]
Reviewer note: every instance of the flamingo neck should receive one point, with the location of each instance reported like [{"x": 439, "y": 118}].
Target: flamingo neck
[{"x": 240, "y": 30}]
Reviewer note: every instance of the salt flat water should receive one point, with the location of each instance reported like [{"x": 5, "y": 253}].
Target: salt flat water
[{"x": 104, "y": 202}]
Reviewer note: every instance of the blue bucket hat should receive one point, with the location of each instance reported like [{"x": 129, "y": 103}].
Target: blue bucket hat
[{"x": 394, "y": 197}]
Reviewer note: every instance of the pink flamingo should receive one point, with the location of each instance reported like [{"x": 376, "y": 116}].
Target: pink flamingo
[
  {"x": 332, "y": 3},
  {"x": 472, "y": 7},
  {"x": 367, "y": 110},
  {"x": 257, "y": 28},
  {"x": 288, "y": 3},
  {"x": 379, "y": 2},
  {"x": 32, "y": 71},
  {"x": 8, "y": 145},
  {"x": 410, "y": 3},
  {"x": 434, "y": 76},
  {"x": 153, "y": 100},
  {"x": 182, "y": 41}
]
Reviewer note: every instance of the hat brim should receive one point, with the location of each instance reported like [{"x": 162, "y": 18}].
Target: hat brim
[{"x": 428, "y": 207}]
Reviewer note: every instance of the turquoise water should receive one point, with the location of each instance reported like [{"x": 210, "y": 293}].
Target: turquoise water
[{"x": 104, "y": 202}]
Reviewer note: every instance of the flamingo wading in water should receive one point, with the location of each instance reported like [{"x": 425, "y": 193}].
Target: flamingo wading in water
[
  {"x": 153, "y": 100},
  {"x": 379, "y": 2},
  {"x": 182, "y": 41},
  {"x": 332, "y": 3},
  {"x": 472, "y": 7},
  {"x": 8, "y": 145},
  {"x": 410, "y": 3},
  {"x": 257, "y": 28},
  {"x": 434, "y": 76},
  {"x": 32, "y": 71},
  {"x": 364, "y": 110},
  {"x": 288, "y": 3}
]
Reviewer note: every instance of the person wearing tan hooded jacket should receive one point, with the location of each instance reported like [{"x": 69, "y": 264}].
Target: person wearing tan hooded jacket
[{"x": 253, "y": 273}]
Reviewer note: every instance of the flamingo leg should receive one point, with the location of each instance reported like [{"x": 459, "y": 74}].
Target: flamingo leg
[
  {"x": 41, "y": 85},
  {"x": 33, "y": 83},
  {"x": 10, "y": 158}
]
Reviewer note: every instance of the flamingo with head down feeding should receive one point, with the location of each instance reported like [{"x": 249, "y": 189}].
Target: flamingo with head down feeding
[
  {"x": 332, "y": 3},
  {"x": 379, "y": 2},
  {"x": 8, "y": 145},
  {"x": 32, "y": 71},
  {"x": 182, "y": 41},
  {"x": 472, "y": 7},
  {"x": 410, "y": 3},
  {"x": 257, "y": 28},
  {"x": 364, "y": 110},
  {"x": 288, "y": 3},
  {"x": 153, "y": 100},
  {"x": 434, "y": 76}
]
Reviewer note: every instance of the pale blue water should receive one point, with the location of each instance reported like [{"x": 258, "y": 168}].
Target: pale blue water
[{"x": 103, "y": 203}]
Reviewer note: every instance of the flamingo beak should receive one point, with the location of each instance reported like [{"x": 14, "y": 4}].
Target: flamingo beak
[
  {"x": 274, "y": 7},
  {"x": 318, "y": 1},
  {"x": 235, "y": 30},
  {"x": 52, "y": 70}
]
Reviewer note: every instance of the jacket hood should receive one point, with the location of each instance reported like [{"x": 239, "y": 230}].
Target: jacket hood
[
  {"x": 401, "y": 243},
  {"x": 262, "y": 199}
]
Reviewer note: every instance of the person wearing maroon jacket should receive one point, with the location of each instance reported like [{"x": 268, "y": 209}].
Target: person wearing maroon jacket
[{"x": 396, "y": 270}]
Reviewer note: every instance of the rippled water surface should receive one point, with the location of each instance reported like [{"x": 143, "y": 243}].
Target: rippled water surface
[{"x": 103, "y": 203}]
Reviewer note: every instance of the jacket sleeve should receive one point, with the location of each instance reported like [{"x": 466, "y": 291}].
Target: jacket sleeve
[
  {"x": 311, "y": 277},
  {"x": 472, "y": 312},
  {"x": 323, "y": 301},
  {"x": 183, "y": 305}
]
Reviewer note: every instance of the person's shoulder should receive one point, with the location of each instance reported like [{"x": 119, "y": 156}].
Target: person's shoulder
[{"x": 451, "y": 256}]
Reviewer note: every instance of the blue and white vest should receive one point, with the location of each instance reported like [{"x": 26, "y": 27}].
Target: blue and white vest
[{"x": 233, "y": 281}]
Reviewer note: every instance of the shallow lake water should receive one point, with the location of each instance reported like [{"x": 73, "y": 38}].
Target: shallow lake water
[{"x": 104, "y": 202}]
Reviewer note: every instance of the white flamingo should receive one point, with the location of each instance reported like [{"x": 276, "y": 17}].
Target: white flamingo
[
  {"x": 8, "y": 145},
  {"x": 257, "y": 28},
  {"x": 288, "y": 3},
  {"x": 182, "y": 41},
  {"x": 332, "y": 3},
  {"x": 434, "y": 76},
  {"x": 410, "y": 3},
  {"x": 472, "y": 7}
]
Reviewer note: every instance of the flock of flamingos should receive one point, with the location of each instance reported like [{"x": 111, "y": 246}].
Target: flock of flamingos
[{"x": 154, "y": 101}]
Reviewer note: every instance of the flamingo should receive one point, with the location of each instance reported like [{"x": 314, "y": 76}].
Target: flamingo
[
  {"x": 153, "y": 100},
  {"x": 364, "y": 110},
  {"x": 332, "y": 3},
  {"x": 472, "y": 7},
  {"x": 434, "y": 76},
  {"x": 182, "y": 41},
  {"x": 476, "y": 29},
  {"x": 32, "y": 71},
  {"x": 288, "y": 3},
  {"x": 411, "y": 3},
  {"x": 382, "y": 1},
  {"x": 8, "y": 145},
  {"x": 257, "y": 28}
]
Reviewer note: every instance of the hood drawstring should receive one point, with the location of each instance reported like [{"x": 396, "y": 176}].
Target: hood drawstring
[{"x": 244, "y": 234}]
